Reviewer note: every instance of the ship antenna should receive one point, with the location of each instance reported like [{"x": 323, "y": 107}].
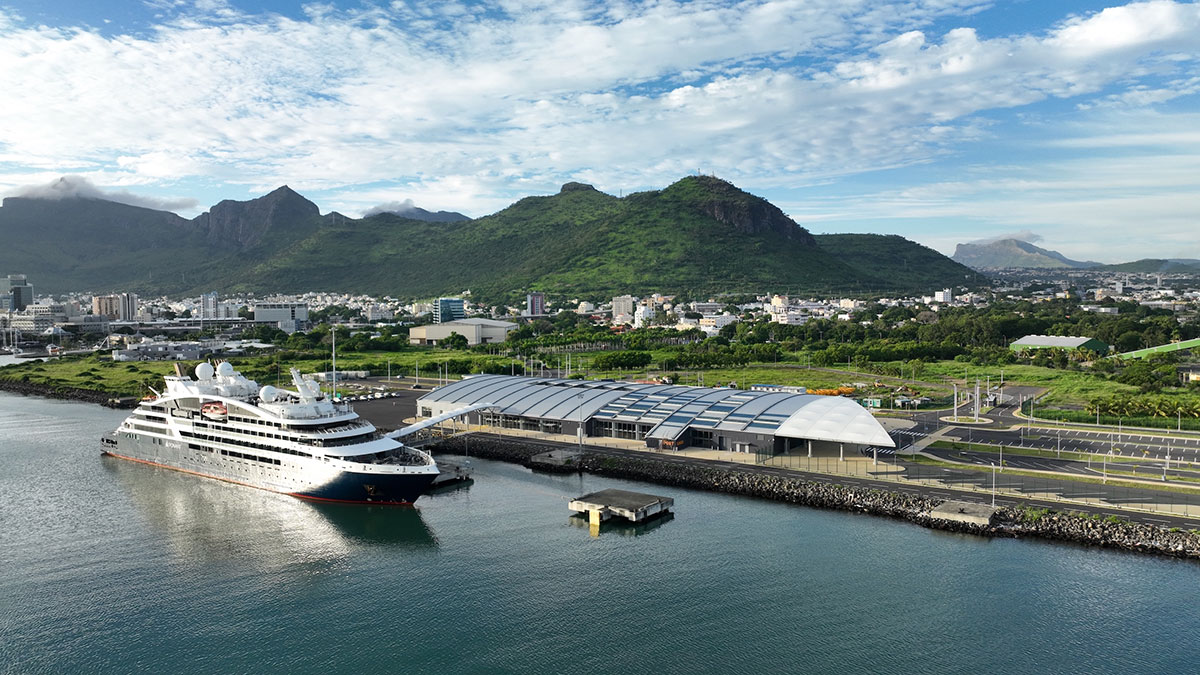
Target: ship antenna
[{"x": 333, "y": 394}]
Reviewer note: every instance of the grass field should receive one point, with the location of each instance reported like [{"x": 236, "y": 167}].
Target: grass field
[
  {"x": 1066, "y": 389},
  {"x": 136, "y": 378}
]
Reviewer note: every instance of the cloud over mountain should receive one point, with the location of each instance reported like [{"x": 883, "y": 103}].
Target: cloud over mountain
[
  {"x": 1023, "y": 235},
  {"x": 399, "y": 208},
  {"x": 79, "y": 187}
]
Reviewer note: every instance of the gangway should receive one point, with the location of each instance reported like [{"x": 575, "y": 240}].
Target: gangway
[{"x": 434, "y": 421}]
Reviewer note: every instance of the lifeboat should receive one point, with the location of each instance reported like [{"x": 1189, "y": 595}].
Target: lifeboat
[{"x": 214, "y": 411}]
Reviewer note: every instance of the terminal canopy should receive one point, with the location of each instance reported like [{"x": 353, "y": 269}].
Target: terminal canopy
[{"x": 670, "y": 409}]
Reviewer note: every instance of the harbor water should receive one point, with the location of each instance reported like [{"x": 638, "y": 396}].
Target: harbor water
[{"x": 110, "y": 566}]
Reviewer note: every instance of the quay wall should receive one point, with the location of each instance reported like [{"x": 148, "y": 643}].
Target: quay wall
[{"x": 1007, "y": 522}]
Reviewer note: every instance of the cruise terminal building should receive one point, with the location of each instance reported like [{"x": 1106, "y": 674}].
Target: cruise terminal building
[{"x": 667, "y": 417}]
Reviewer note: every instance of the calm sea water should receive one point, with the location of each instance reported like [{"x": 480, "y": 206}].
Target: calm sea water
[{"x": 110, "y": 566}]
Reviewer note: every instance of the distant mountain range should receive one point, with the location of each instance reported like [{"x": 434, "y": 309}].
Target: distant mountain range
[
  {"x": 1007, "y": 253},
  {"x": 701, "y": 235},
  {"x": 1018, "y": 254}
]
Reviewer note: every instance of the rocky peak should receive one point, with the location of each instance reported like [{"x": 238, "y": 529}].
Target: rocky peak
[
  {"x": 726, "y": 203},
  {"x": 243, "y": 224},
  {"x": 575, "y": 187}
]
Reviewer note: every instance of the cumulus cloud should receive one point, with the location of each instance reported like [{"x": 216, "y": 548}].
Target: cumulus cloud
[
  {"x": 473, "y": 104},
  {"x": 1027, "y": 236},
  {"x": 79, "y": 187},
  {"x": 399, "y": 208}
]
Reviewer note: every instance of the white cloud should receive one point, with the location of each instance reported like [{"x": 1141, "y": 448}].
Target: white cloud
[
  {"x": 79, "y": 187},
  {"x": 1127, "y": 198},
  {"x": 1022, "y": 235},
  {"x": 465, "y": 106},
  {"x": 391, "y": 207}
]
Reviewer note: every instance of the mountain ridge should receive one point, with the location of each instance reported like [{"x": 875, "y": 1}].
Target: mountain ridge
[
  {"x": 701, "y": 234},
  {"x": 1013, "y": 253}
]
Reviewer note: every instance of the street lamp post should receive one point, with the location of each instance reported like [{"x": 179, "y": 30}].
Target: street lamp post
[
  {"x": 993, "y": 484},
  {"x": 579, "y": 431}
]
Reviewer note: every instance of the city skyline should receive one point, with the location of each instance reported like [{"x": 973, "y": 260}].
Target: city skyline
[{"x": 943, "y": 121}]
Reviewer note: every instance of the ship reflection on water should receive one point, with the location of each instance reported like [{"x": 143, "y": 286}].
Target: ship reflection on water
[{"x": 207, "y": 520}]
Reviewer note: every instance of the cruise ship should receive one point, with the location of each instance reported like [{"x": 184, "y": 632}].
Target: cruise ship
[{"x": 297, "y": 442}]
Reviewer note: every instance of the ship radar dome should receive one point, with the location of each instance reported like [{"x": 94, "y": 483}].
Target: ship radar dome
[
  {"x": 225, "y": 369},
  {"x": 204, "y": 371},
  {"x": 268, "y": 394}
]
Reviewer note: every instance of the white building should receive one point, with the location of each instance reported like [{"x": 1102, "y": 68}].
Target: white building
[
  {"x": 712, "y": 324},
  {"x": 788, "y": 318},
  {"x": 643, "y": 316},
  {"x": 288, "y": 316},
  {"x": 477, "y": 331},
  {"x": 379, "y": 312},
  {"x": 944, "y": 296}
]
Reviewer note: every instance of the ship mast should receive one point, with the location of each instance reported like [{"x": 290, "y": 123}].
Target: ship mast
[{"x": 333, "y": 394}]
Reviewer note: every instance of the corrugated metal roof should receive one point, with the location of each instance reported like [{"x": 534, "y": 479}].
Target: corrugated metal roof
[
  {"x": 1064, "y": 341},
  {"x": 671, "y": 409}
]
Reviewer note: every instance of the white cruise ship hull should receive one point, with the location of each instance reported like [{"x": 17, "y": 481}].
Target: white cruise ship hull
[{"x": 308, "y": 478}]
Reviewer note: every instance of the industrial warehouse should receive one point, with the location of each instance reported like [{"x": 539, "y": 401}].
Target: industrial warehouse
[{"x": 666, "y": 417}]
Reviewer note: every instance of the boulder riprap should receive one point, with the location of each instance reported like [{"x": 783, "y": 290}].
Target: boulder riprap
[{"x": 747, "y": 481}]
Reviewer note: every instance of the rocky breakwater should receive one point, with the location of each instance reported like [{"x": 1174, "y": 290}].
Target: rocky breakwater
[
  {"x": 731, "y": 480},
  {"x": 67, "y": 393},
  {"x": 1012, "y": 522},
  {"x": 1107, "y": 532}
]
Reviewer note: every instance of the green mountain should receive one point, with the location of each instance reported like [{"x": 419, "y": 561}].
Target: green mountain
[
  {"x": 701, "y": 235},
  {"x": 1156, "y": 266},
  {"x": 1008, "y": 253}
]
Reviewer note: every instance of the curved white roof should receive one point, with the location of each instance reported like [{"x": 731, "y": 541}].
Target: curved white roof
[
  {"x": 829, "y": 419},
  {"x": 670, "y": 409}
]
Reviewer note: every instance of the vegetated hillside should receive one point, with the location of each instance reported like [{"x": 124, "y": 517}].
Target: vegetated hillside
[
  {"x": 701, "y": 235},
  {"x": 903, "y": 263},
  {"x": 1008, "y": 253},
  {"x": 80, "y": 243},
  {"x": 1156, "y": 266}
]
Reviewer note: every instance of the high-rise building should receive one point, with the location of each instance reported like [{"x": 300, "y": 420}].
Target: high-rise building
[
  {"x": 129, "y": 306},
  {"x": 17, "y": 287},
  {"x": 535, "y": 304},
  {"x": 118, "y": 307},
  {"x": 622, "y": 305},
  {"x": 449, "y": 309},
  {"x": 208, "y": 306},
  {"x": 945, "y": 295}
]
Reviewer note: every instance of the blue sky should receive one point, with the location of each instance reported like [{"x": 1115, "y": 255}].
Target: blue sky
[{"x": 1074, "y": 123}]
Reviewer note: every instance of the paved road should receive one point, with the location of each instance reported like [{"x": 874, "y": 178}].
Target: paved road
[
  {"x": 1138, "y": 444},
  {"x": 1093, "y": 469}
]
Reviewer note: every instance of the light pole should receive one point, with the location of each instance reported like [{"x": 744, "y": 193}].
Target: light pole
[
  {"x": 579, "y": 431},
  {"x": 993, "y": 484}
]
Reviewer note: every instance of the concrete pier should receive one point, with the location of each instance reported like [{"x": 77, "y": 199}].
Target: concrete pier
[
  {"x": 452, "y": 475},
  {"x": 632, "y": 506},
  {"x": 964, "y": 512}
]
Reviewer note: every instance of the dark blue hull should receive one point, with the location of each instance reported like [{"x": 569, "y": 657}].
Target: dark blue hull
[{"x": 370, "y": 488}]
